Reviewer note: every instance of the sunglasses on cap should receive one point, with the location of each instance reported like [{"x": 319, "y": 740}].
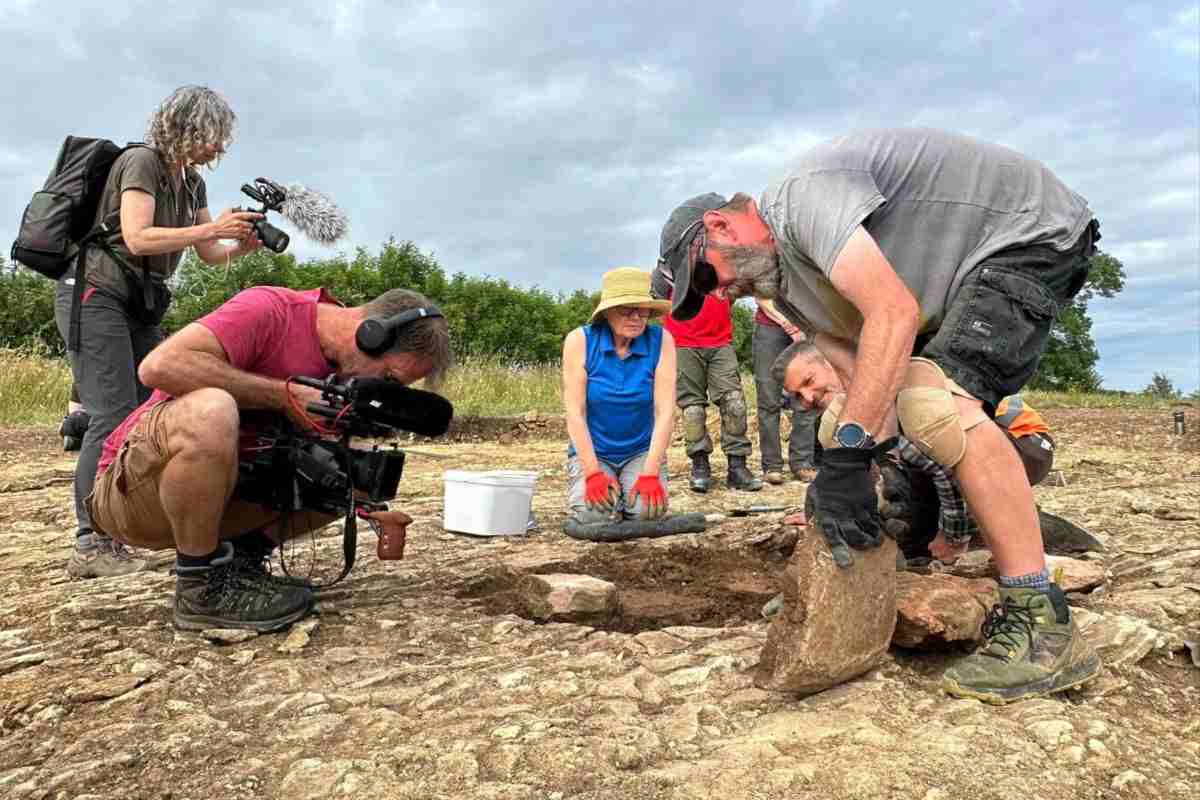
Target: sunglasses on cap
[{"x": 704, "y": 276}]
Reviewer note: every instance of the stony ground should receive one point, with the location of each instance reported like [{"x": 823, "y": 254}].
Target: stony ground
[{"x": 414, "y": 680}]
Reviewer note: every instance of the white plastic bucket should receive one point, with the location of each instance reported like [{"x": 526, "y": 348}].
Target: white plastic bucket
[{"x": 495, "y": 503}]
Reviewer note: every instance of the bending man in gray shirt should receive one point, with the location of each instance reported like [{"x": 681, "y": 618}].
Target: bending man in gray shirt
[{"x": 895, "y": 244}]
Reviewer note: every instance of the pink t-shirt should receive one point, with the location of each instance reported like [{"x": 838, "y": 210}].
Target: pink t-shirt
[{"x": 266, "y": 330}]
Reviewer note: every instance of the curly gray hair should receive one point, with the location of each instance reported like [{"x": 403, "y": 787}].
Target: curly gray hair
[{"x": 191, "y": 118}]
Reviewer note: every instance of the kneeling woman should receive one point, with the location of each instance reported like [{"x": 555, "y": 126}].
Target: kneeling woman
[{"x": 619, "y": 392}]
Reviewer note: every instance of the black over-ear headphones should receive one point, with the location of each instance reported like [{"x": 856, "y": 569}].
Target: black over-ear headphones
[{"x": 375, "y": 335}]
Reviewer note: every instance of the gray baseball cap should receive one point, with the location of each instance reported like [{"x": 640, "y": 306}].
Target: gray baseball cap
[{"x": 674, "y": 270}]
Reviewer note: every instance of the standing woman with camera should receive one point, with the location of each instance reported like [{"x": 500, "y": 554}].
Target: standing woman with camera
[{"x": 157, "y": 195}]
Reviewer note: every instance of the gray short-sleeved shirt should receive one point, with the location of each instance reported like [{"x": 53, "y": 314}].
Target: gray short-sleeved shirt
[
  {"x": 141, "y": 168},
  {"x": 936, "y": 203}
]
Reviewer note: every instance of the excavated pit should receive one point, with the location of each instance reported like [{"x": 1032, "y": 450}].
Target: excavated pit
[{"x": 676, "y": 585}]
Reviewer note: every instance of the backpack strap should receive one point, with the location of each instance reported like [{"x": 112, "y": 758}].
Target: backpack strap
[{"x": 97, "y": 237}]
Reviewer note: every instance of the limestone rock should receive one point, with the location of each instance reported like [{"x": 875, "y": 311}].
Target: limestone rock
[
  {"x": 938, "y": 608},
  {"x": 568, "y": 598},
  {"x": 835, "y": 623},
  {"x": 297, "y": 638},
  {"x": 229, "y": 635},
  {"x": 1077, "y": 575},
  {"x": 1120, "y": 640},
  {"x": 104, "y": 690}
]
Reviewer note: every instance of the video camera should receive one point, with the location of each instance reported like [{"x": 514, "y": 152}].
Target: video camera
[{"x": 287, "y": 469}]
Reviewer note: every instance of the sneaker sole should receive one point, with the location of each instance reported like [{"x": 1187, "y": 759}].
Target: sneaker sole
[
  {"x": 1068, "y": 679},
  {"x": 200, "y": 622},
  {"x": 83, "y": 573}
]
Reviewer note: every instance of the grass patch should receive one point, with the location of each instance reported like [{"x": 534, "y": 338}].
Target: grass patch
[
  {"x": 34, "y": 389},
  {"x": 482, "y": 386}
]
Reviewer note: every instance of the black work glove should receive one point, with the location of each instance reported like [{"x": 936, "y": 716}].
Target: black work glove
[
  {"x": 844, "y": 501},
  {"x": 910, "y": 509}
]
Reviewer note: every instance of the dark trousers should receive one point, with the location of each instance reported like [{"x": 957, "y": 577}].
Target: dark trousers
[
  {"x": 769, "y": 341},
  {"x": 111, "y": 347}
]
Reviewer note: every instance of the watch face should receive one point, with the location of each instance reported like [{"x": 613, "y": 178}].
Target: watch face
[{"x": 850, "y": 434}]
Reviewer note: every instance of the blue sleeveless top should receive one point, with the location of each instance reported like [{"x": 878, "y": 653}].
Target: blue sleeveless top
[{"x": 620, "y": 392}]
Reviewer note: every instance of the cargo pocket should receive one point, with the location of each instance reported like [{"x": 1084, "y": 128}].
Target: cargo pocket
[{"x": 1005, "y": 327}]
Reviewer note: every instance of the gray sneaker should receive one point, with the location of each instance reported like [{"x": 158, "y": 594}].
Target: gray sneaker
[{"x": 99, "y": 556}]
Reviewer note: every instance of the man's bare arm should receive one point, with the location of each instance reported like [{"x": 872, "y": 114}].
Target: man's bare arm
[
  {"x": 890, "y": 314},
  {"x": 194, "y": 359}
]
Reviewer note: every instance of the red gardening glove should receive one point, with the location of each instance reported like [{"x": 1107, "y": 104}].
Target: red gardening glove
[
  {"x": 601, "y": 491},
  {"x": 651, "y": 490}
]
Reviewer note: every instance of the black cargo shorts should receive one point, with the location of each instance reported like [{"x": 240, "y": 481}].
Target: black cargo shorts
[{"x": 997, "y": 325}]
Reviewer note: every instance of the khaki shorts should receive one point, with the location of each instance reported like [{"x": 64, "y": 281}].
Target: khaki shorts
[{"x": 125, "y": 502}]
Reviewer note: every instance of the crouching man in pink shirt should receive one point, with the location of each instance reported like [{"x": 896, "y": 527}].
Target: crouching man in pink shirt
[{"x": 167, "y": 474}]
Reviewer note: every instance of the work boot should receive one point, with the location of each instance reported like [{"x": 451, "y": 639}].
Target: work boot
[
  {"x": 701, "y": 473},
  {"x": 740, "y": 476},
  {"x": 774, "y": 476},
  {"x": 99, "y": 556},
  {"x": 1031, "y": 648},
  {"x": 223, "y": 595}
]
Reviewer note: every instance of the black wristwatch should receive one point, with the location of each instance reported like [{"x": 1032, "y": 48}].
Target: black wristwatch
[{"x": 851, "y": 434}]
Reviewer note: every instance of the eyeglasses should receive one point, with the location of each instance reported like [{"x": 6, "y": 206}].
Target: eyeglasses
[
  {"x": 631, "y": 311},
  {"x": 704, "y": 276}
]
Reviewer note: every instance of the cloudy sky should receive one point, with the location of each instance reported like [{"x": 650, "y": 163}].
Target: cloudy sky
[{"x": 547, "y": 142}]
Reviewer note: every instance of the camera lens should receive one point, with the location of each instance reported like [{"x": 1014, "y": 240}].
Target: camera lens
[{"x": 271, "y": 237}]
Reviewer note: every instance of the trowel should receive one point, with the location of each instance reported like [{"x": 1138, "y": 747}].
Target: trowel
[{"x": 748, "y": 511}]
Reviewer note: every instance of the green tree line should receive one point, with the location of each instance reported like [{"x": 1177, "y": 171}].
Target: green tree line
[{"x": 487, "y": 315}]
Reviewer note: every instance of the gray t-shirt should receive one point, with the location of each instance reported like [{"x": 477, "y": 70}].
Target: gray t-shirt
[
  {"x": 936, "y": 203},
  {"x": 141, "y": 168}
]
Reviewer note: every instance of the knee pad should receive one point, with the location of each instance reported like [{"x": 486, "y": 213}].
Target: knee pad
[
  {"x": 733, "y": 413},
  {"x": 695, "y": 423},
  {"x": 829, "y": 422},
  {"x": 929, "y": 415}
]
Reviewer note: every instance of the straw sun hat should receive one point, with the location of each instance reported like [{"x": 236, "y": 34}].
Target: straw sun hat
[{"x": 628, "y": 286}]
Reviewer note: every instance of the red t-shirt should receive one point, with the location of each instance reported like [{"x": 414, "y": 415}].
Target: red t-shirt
[
  {"x": 712, "y": 327},
  {"x": 266, "y": 330}
]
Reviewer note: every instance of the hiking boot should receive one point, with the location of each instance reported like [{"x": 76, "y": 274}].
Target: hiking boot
[
  {"x": 805, "y": 473},
  {"x": 701, "y": 473},
  {"x": 774, "y": 476},
  {"x": 256, "y": 562},
  {"x": 740, "y": 477},
  {"x": 222, "y": 595},
  {"x": 99, "y": 556},
  {"x": 1031, "y": 648}
]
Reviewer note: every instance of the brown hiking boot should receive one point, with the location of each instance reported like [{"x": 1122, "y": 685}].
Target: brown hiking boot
[
  {"x": 1031, "y": 648},
  {"x": 99, "y": 556}
]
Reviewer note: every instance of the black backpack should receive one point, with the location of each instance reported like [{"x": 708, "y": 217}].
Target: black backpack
[{"x": 59, "y": 223}]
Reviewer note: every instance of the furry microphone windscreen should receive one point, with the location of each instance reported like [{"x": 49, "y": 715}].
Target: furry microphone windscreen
[
  {"x": 397, "y": 406},
  {"x": 314, "y": 214}
]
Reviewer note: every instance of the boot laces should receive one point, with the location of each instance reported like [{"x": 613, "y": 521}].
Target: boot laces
[
  {"x": 1007, "y": 627},
  {"x": 115, "y": 549}
]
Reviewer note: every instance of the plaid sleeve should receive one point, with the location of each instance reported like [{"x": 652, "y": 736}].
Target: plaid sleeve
[{"x": 955, "y": 520}]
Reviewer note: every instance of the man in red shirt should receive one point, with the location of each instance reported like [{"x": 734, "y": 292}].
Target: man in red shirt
[
  {"x": 167, "y": 474},
  {"x": 707, "y": 369}
]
